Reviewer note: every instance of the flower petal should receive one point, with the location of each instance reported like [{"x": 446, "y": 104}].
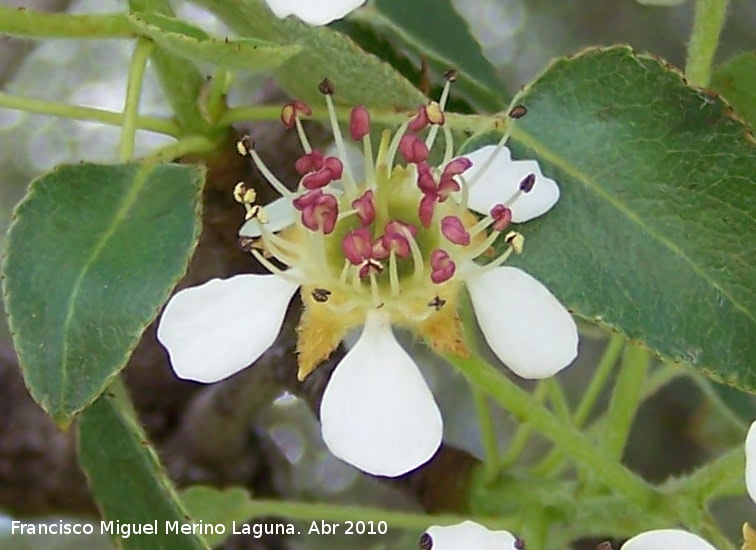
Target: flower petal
[
  {"x": 281, "y": 214},
  {"x": 377, "y": 412},
  {"x": 666, "y": 539},
  {"x": 216, "y": 329},
  {"x": 750, "y": 469},
  {"x": 469, "y": 534},
  {"x": 314, "y": 12},
  {"x": 523, "y": 323},
  {"x": 502, "y": 179}
]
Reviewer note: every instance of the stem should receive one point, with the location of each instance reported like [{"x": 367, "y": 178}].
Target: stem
[
  {"x": 133, "y": 94},
  {"x": 708, "y": 21},
  {"x": 721, "y": 477},
  {"x": 600, "y": 376},
  {"x": 35, "y": 24},
  {"x": 558, "y": 400},
  {"x": 627, "y": 395},
  {"x": 89, "y": 114},
  {"x": 521, "y": 436},
  {"x": 487, "y": 435},
  {"x": 661, "y": 376},
  {"x": 526, "y": 409},
  {"x": 333, "y": 512},
  {"x": 186, "y": 146},
  {"x": 215, "y": 102}
]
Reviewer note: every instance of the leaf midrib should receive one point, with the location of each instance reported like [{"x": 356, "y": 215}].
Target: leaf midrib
[
  {"x": 126, "y": 204},
  {"x": 563, "y": 164}
]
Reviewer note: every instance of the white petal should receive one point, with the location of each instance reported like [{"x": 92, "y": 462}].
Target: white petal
[
  {"x": 667, "y": 539},
  {"x": 750, "y": 469},
  {"x": 216, "y": 329},
  {"x": 314, "y": 12},
  {"x": 281, "y": 214},
  {"x": 470, "y": 535},
  {"x": 377, "y": 412},
  {"x": 523, "y": 323},
  {"x": 502, "y": 179}
]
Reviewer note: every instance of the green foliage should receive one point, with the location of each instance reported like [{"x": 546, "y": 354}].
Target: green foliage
[
  {"x": 358, "y": 77},
  {"x": 653, "y": 234},
  {"x": 92, "y": 253},
  {"x": 217, "y": 506},
  {"x": 127, "y": 479},
  {"x": 189, "y": 42},
  {"x": 446, "y": 44},
  {"x": 736, "y": 80}
]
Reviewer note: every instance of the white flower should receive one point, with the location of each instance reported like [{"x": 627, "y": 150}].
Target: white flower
[
  {"x": 666, "y": 539},
  {"x": 392, "y": 247},
  {"x": 314, "y": 12},
  {"x": 750, "y": 454},
  {"x": 467, "y": 535}
]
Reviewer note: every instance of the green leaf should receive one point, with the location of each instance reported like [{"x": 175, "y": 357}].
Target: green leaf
[
  {"x": 128, "y": 482},
  {"x": 91, "y": 255},
  {"x": 446, "y": 44},
  {"x": 217, "y": 506},
  {"x": 358, "y": 77},
  {"x": 190, "y": 42},
  {"x": 654, "y": 233},
  {"x": 736, "y": 80}
]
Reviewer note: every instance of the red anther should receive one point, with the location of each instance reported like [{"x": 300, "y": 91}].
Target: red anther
[
  {"x": 396, "y": 237},
  {"x": 309, "y": 162},
  {"x": 425, "y": 211},
  {"x": 331, "y": 171},
  {"x": 518, "y": 111},
  {"x": 365, "y": 206},
  {"x": 413, "y": 149},
  {"x": 456, "y": 167},
  {"x": 320, "y": 211},
  {"x": 442, "y": 266},
  {"x": 419, "y": 122},
  {"x": 526, "y": 185},
  {"x": 446, "y": 187},
  {"x": 357, "y": 246},
  {"x": 454, "y": 230},
  {"x": 359, "y": 123},
  {"x": 502, "y": 217},
  {"x": 425, "y": 181},
  {"x": 292, "y": 110}
]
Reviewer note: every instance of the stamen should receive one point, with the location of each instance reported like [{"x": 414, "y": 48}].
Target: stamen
[
  {"x": 449, "y": 145},
  {"x": 306, "y": 147},
  {"x": 326, "y": 88},
  {"x": 374, "y": 291},
  {"x": 451, "y": 76},
  {"x": 417, "y": 256},
  {"x": 490, "y": 159},
  {"x": 394, "y": 147},
  {"x": 359, "y": 128},
  {"x": 274, "y": 182},
  {"x": 344, "y": 272},
  {"x": 275, "y": 270},
  {"x": 393, "y": 274}
]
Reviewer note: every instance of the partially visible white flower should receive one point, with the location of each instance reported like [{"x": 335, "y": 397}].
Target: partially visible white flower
[
  {"x": 314, "y": 12},
  {"x": 390, "y": 244},
  {"x": 750, "y": 454},
  {"x": 468, "y": 535},
  {"x": 667, "y": 539}
]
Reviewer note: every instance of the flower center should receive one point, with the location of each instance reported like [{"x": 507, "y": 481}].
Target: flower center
[{"x": 398, "y": 236}]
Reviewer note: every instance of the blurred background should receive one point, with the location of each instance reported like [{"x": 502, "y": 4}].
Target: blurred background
[{"x": 279, "y": 451}]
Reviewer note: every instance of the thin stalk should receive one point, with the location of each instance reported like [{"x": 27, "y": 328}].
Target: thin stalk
[
  {"x": 526, "y": 409},
  {"x": 487, "y": 435},
  {"x": 522, "y": 435},
  {"x": 626, "y": 397},
  {"x": 708, "y": 21},
  {"x": 89, "y": 114},
  {"x": 598, "y": 381},
  {"x": 36, "y": 24},
  {"x": 661, "y": 376},
  {"x": 137, "y": 67},
  {"x": 186, "y": 146},
  {"x": 558, "y": 400}
]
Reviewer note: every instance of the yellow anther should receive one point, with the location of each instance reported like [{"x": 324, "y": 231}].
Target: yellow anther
[
  {"x": 250, "y": 195},
  {"x": 239, "y": 191},
  {"x": 241, "y": 148},
  {"x": 749, "y": 538},
  {"x": 516, "y": 241},
  {"x": 434, "y": 113}
]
